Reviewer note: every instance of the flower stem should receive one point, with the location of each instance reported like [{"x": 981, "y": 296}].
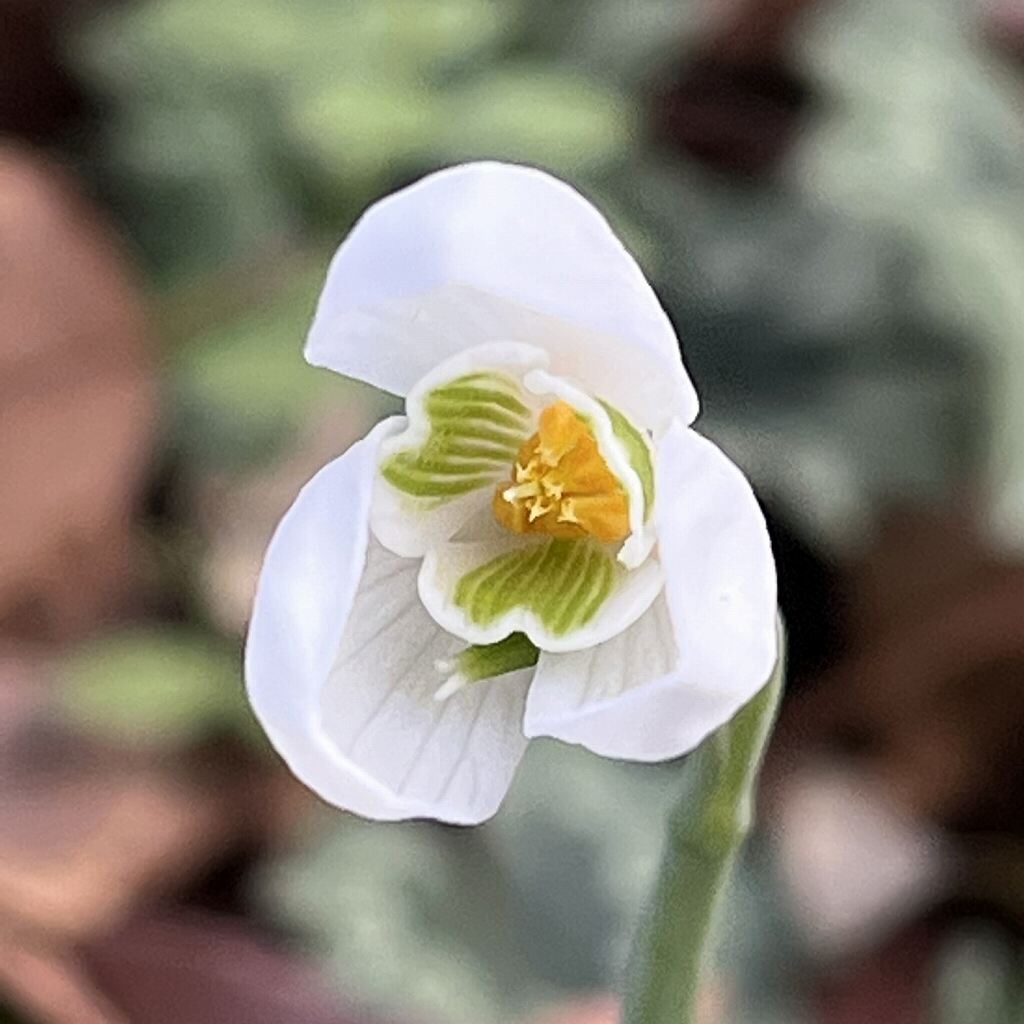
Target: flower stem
[{"x": 705, "y": 833}]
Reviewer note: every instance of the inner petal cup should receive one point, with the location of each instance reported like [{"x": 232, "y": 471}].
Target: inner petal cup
[{"x": 485, "y": 443}]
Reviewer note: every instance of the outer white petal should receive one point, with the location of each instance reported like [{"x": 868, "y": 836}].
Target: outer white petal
[
  {"x": 702, "y": 650},
  {"x": 496, "y": 252},
  {"x": 334, "y": 712},
  {"x": 452, "y": 759}
]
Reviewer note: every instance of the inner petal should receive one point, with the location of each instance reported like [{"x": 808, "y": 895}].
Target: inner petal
[
  {"x": 474, "y": 422},
  {"x": 561, "y": 484},
  {"x": 565, "y": 594},
  {"x": 466, "y": 421}
]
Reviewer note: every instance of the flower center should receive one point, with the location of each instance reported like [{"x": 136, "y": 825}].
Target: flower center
[{"x": 561, "y": 485}]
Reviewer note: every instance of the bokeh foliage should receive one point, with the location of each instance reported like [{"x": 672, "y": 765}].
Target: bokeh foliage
[{"x": 831, "y": 310}]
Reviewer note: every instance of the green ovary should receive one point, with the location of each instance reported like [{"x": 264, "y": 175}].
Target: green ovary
[
  {"x": 562, "y": 582},
  {"x": 484, "y": 661}
]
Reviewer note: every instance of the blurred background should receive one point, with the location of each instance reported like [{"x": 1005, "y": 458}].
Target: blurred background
[{"x": 829, "y": 198}]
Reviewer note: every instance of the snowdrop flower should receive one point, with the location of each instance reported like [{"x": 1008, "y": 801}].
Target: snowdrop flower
[{"x": 541, "y": 546}]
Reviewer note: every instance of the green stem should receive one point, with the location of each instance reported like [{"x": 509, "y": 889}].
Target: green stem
[{"x": 705, "y": 833}]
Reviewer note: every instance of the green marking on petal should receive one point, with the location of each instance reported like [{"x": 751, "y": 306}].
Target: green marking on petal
[
  {"x": 562, "y": 582},
  {"x": 484, "y": 661},
  {"x": 637, "y": 451},
  {"x": 407, "y": 473},
  {"x": 477, "y": 424}
]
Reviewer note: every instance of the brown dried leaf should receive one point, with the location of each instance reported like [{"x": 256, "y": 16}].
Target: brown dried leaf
[
  {"x": 929, "y": 689},
  {"x": 77, "y": 402},
  {"x": 86, "y": 831},
  {"x": 207, "y": 969},
  {"x": 891, "y": 984},
  {"x": 52, "y": 988}
]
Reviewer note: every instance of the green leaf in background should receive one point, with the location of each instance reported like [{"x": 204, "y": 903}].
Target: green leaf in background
[
  {"x": 252, "y": 365},
  {"x": 417, "y": 41},
  {"x": 484, "y": 925},
  {"x": 148, "y": 44},
  {"x": 978, "y": 977},
  {"x": 398, "y": 913},
  {"x": 206, "y": 180},
  {"x": 153, "y": 686},
  {"x": 242, "y": 389},
  {"x": 536, "y": 114},
  {"x": 221, "y": 137},
  {"x": 356, "y": 132}
]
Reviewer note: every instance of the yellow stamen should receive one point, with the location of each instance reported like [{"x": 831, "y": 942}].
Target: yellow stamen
[
  {"x": 552, "y": 489},
  {"x": 561, "y": 470},
  {"x": 567, "y": 513},
  {"x": 524, "y": 473},
  {"x": 538, "y": 509},
  {"x": 522, "y": 491}
]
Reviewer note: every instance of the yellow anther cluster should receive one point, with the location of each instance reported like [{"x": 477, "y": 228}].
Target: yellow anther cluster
[{"x": 561, "y": 485}]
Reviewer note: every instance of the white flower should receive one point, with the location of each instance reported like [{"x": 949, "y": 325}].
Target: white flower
[{"x": 541, "y": 547}]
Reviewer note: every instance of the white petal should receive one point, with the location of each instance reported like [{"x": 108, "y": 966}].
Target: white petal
[
  {"x": 574, "y": 579},
  {"x": 312, "y": 602},
  {"x": 309, "y": 579},
  {"x": 495, "y": 252},
  {"x": 703, "y": 650},
  {"x": 408, "y": 530},
  {"x": 449, "y": 759}
]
